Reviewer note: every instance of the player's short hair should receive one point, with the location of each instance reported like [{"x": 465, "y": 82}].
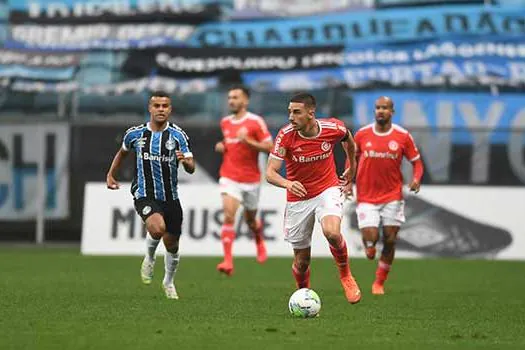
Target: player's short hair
[
  {"x": 243, "y": 88},
  {"x": 303, "y": 97},
  {"x": 159, "y": 93}
]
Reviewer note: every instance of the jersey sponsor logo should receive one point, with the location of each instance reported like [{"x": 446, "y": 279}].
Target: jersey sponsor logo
[
  {"x": 393, "y": 145},
  {"x": 381, "y": 155},
  {"x": 325, "y": 146},
  {"x": 154, "y": 157},
  {"x": 305, "y": 159},
  {"x": 170, "y": 144},
  {"x": 368, "y": 144}
]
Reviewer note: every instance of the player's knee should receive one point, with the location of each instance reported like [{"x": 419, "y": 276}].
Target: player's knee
[
  {"x": 229, "y": 218},
  {"x": 389, "y": 239},
  {"x": 157, "y": 229}
]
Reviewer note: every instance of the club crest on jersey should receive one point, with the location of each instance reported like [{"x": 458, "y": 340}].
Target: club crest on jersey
[
  {"x": 393, "y": 146},
  {"x": 325, "y": 146},
  {"x": 281, "y": 151},
  {"x": 146, "y": 210},
  {"x": 170, "y": 144}
]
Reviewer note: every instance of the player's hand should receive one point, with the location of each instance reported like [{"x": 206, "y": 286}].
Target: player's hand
[
  {"x": 112, "y": 183},
  {"x": 346, "y": 184},
  {"x": 180, "y": 156},
  {"x": 296, "y": 188},
  {"x": 414, "y": 186},
  {"x": 219, "y": 147}
]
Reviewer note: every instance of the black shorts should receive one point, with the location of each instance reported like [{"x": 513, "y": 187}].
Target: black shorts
[{"x": 171, "y": 212}]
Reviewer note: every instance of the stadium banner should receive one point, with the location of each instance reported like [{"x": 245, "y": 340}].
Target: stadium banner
[
  {"x": 21, "y": 149},
  {"x": 38, "y": 65},
  {"x": 344, "y": 28},
  {"x": 169, "y": 85},
  {"x": 357, "y": 27},
  {"x": 191, "y": 61},
  {"x": 454, "y": 62},
  {"x": 131, "y": 11},
  {"x": 441, "y": 222},
  {"x": 108, "y": 36},
  {"x": 248, "y": 9}
]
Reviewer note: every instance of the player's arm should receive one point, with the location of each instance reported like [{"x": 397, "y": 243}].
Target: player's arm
[
  {"x": 349, "y": 147},
  {"x": 273, "y": 177},
  {"x": 111, "y": 182},
  {"x": 413, "y": 155},
  {"x": 261, "y": 146},
  {"x": 184, "y": 154},
  {"x": 187, "y": 162}
]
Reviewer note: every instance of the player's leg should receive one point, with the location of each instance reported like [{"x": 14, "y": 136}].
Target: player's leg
[
  {"x": 301, "y": 267},
  {"x": 329, "y": 211},
  {"x": 299, "y": 221},
  {"x": 151, "y": 214},
  {"x": 173, "y": 215},
  {"x": 250, "y": 203},
  {"x": 368, "y": 219},
  {"x": 392, "y": 215},
  {"x": 230, "y": 205}
]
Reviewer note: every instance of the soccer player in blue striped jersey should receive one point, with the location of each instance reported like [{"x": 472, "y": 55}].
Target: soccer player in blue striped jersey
[{"x": 159, "y": 147}]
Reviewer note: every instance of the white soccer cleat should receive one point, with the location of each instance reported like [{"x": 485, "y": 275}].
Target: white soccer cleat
[
  {"x": 171, "y": 292},
  {"x": 146, "y": 271}
]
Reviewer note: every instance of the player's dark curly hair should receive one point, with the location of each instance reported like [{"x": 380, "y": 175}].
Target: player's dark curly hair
[
  {"x": 303, "y": 97},
  {"x": 159, "y": 93},
  {"x": 243, "y": 88}
]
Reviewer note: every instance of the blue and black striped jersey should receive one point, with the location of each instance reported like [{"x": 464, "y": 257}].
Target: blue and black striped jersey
[{"x": 157, "y": 165}]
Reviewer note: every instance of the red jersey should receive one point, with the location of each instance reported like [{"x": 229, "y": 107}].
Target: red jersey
[
  {"x": 310, "y": 160},
  {"x": 240, "y": 160},
  {"x": 379, "y": 179}
]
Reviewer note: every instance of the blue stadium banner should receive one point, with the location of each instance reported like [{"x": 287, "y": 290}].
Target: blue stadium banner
[
  {"x": 350, "y": 28},
  {"x": 96, "y": 11},
  {"x": 38, "y": 65},
  {"x": 457, "y": 63}
]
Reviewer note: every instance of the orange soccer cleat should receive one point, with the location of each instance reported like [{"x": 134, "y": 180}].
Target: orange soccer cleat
[
  {"x": 226, "y": 268},
  {"x": 352, "y": 291},
  {"x": 370, "y": 252},
  {"x": 378, "y": 289}
]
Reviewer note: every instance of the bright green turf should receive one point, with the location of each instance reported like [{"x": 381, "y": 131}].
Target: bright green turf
[{"x": 58, "y": 299}]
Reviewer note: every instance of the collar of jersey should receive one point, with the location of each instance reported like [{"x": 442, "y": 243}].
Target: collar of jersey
[
  {"x": 312, "y": 137},
  {"x": 386, "y": 133},
  {"x": 149, "y": 127}
]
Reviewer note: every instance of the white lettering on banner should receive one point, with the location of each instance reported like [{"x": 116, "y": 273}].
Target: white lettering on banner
[
  {"x": 20, "y": 152},
  {"x": 94, "y": 35},
  {"x": 456, "y": 217},
  {"x": 112, "y": 7}
]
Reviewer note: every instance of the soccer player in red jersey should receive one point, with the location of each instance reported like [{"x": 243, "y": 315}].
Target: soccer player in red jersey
[
  {"x": 379, "y": 183},
  {"x": 244, "y": 135},
  {"x": 313, "y": 192}
]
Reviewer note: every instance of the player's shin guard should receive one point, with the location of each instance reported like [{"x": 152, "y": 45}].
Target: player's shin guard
[
  {"x": 227, "y": 238},
  {"x": 340, "y": 254},
  {"x": 302, "y": 279},
  {"x": 382, "y": 272}
]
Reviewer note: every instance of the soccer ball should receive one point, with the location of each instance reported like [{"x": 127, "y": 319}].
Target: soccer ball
[{"x": 304, "y": 303}]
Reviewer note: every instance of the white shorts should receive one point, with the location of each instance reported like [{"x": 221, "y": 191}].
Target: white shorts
[
  {"x": 299, "y": 217},
  {"x": 389, "y": 214},
  {"x": 246, "y": 193}
]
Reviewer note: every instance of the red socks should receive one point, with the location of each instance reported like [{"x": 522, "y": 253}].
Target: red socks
[
  {"x": 302, "y": 280},
  {"x": 340, "y": 254},
  {"x": 382, "y": 272},
  {"x": 227, "y": 238}
]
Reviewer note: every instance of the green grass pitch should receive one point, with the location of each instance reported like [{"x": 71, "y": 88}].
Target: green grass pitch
[{"x": 55, "y": 298}]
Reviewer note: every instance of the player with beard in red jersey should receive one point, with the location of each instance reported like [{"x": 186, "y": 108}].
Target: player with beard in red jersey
[
  {"x": 313, "y": 189},
  {"x": 245, "y": 135},
  {"x": 381, "y": 147}
]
